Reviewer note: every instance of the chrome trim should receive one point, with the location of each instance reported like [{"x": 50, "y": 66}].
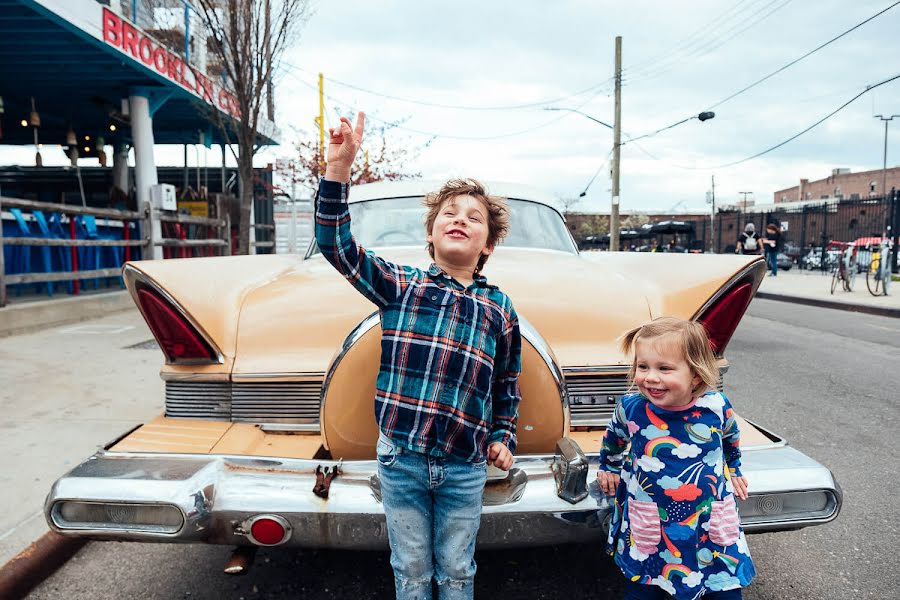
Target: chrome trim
[
  {"x": 194, "y": 377},
  {"x": 280, "y": 376},
  {"x": 360, "y": 330},
  {"x": 543, "y": 349},
  {"x": 132, "y": 277},
  {"x": 623, "y": 369},
  {"x": 57, "y": 519},
  {"x": 352, "y": 517},
  {"x": 759, "y": 266},
  {"x": 281, "y": 427}
]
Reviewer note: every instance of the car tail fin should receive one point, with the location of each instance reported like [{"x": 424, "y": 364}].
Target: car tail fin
[{"x": 722, "y": 313}]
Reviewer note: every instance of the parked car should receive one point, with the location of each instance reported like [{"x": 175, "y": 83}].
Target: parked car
[
  {"x": 813, "y": 259},
  {"x": 268, "y": 432}
]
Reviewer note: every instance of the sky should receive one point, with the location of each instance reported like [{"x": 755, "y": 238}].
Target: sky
[{"x": 470, "y": 83}]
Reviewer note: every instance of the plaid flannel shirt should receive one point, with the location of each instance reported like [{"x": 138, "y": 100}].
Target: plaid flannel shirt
[{"x": 448, "y": 383}]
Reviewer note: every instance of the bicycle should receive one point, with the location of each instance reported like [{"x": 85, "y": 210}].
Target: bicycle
[
  {"x": 845, "y": 266},
  {"x": 878, "y": 275}
]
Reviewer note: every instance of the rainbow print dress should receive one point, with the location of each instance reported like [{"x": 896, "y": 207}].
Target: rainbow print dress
[{"x": 675, "y": 523}]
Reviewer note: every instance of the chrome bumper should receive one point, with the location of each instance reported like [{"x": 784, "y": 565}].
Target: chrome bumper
[{"x": 210, "y": 499}]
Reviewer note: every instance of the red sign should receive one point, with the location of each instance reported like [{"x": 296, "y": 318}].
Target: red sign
[{"x": 123, "y": 35}]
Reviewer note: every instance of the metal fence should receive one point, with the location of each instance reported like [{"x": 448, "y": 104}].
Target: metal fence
[
  {"x": 177, "y": 234},
  {"x": 807, "y": 230}
]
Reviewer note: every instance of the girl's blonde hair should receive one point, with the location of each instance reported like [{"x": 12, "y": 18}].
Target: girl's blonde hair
[{"x": 689, "y": 336}]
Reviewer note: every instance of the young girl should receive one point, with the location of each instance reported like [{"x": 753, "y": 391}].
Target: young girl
[{"x": 675, "y": 530}]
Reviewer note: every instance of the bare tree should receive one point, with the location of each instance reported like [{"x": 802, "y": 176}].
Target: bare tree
[
  {"x": 383, "y": 158},
  {"x": 248, "y": 39}
]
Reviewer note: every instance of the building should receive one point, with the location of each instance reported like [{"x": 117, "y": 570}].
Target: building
[{"x": 843, "y": 184}]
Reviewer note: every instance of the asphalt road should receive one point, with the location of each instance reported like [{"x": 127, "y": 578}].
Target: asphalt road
[{"x": 826, "y": 380}]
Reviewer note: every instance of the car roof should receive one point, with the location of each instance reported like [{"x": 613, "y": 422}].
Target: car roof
[{"x": 419, "y": 187}]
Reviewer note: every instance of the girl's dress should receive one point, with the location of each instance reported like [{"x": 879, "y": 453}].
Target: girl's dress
[{"x": 675, "y": 523}]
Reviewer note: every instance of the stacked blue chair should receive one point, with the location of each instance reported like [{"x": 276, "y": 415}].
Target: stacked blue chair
[
  {"x": 91, "y": 257},
  {"x": 53, "y": 229},
  {"x": 23, "y": 263}
]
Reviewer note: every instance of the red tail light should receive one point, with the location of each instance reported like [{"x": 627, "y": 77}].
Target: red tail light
[
  {"x": 722, "y": 318},
  {"x": 177, "y": 338},
  {"x": 267, "y": 531}
]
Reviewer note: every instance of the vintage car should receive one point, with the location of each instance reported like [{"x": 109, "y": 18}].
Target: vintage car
[{"x": 268, "y": 435}]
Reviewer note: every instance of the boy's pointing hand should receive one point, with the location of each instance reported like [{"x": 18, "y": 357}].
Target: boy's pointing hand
[
  {"x": 343, "y": 143},
  {"x": 500, "y": 456}
]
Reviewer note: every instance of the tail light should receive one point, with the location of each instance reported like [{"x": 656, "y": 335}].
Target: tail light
[
  {"x": 267, "y": 530},
  {"x": 722, "y": 318},
  {"x": 179, "y": 340}
]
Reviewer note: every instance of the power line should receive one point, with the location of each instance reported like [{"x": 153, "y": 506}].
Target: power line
[
  {"x": 793, "y": 137},
  {"x": 430, "y": 134},
  {"x": 602, "y": 85},
  {"x": 710, "y": 44},
  {"x": 795, "y": 61},
  {"x": 816, "y": 124},
  {"x": 694, "y": 37}
]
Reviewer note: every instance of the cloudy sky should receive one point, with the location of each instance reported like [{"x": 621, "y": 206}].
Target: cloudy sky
[{"x": 470, "y": 82}]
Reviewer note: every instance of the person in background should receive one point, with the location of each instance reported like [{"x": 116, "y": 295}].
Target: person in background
[
  {"x": 748, "y": 243},
  {"x": 772, "y": 244}
]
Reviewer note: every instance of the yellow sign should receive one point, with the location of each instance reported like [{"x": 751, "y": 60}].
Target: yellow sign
[{"x": 195, "y": 208}]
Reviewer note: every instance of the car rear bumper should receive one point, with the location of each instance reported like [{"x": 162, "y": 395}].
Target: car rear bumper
[{"x": 212, "y": 499}]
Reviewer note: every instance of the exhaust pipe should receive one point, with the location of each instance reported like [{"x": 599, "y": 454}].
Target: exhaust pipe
[{"x": 241, "y": 560}]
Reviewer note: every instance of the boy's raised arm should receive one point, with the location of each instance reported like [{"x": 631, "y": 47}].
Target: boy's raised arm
[{"x": 377, "y": 279}]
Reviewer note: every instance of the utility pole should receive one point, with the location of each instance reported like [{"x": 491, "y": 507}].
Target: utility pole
[
  {"x": 886, "y": 120},
  {"x": 745, "y": 199},
  {"x": 320, "y": 121},
  {"x": 617, "y": 143}
]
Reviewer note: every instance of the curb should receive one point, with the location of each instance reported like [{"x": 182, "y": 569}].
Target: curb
[
  {"x": 37, "y": 562},
  {"x": 880, "y": 311},
  {"x": 28, "y": 317}
]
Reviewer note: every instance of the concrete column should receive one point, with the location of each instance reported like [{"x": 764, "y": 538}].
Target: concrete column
[{"x": 144, "y": 165}]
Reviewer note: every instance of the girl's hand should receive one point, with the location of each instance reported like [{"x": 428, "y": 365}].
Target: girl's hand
[
  {"x": 343, "y": 143},
  {"x": 608, "y": 482},
  {"x": 740, "y": 487}
]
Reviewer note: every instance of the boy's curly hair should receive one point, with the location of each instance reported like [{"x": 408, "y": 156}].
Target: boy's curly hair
[
  {"x": 689, "y": 337},
  {"x": 497, "y": 211}
]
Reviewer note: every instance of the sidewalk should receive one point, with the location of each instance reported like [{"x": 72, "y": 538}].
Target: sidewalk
[
  {"x": 814, "y": 288},
  {"x": 67, "y": 390}
]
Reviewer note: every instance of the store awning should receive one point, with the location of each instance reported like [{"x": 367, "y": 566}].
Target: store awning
[{"x": 78, "y": 59}]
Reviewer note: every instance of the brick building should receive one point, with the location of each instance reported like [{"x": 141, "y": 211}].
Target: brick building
[{"x": 842, "y": 184}]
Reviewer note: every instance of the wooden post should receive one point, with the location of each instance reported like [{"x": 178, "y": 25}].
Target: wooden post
[
  {"x": 147, "y": 230},
  {"x": 2, "y": 264}
]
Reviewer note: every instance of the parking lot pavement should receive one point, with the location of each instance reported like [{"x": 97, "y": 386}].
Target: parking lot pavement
[
  {"x": 815, "y": 287},
  {"x": 66, "y": 390}
]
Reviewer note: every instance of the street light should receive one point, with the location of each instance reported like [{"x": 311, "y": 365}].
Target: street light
[{"x": 614, "y": 213}]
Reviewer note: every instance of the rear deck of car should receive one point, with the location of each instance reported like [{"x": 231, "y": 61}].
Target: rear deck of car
[{"x": 192, "y": 436}]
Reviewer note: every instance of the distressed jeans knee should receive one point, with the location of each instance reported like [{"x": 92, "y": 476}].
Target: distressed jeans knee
[
  {"x": 412, "y": 589},
  {"x": 456, "y": 589}
]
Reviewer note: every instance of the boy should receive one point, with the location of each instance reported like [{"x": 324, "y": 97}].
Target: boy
[{"x": 447, "y": 392}]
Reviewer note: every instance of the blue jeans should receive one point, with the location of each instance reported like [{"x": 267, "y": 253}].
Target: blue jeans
[
  {"x": 772, "y": 260},
  {"x": 639, "y": 591},
  {"x": 433, "y": 510}
]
